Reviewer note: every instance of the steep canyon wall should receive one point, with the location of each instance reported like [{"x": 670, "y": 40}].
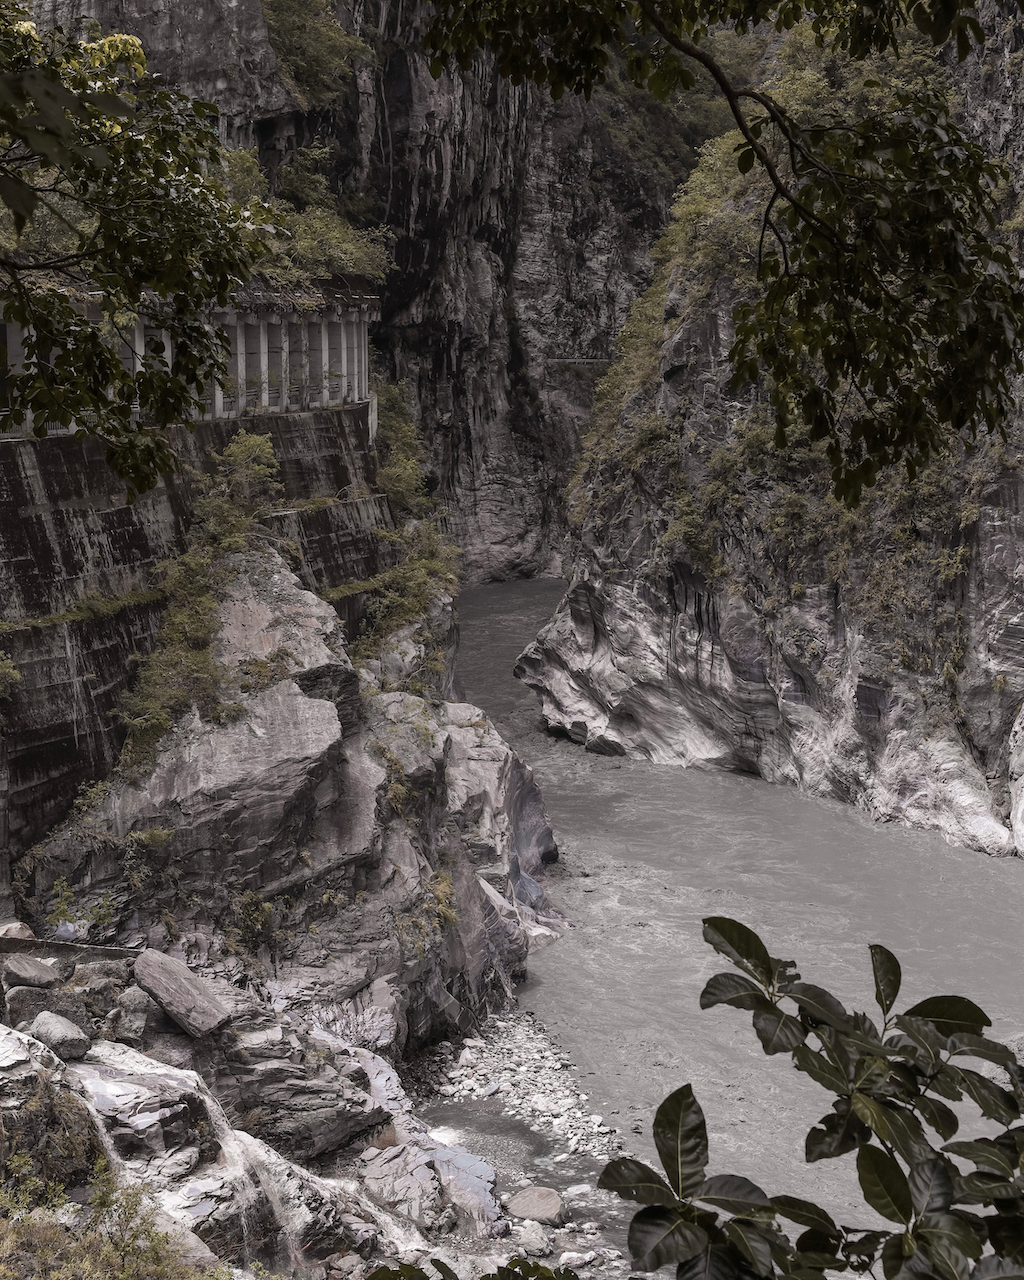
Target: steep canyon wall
[
  {"x": 524, "y": 229},
  {"x": 725, "y": 609}
]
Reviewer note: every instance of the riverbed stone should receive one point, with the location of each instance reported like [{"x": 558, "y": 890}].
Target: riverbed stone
[
  {"x": 538, "y": 1204},
  {"x": 61, "y": 1035},
  {"x": 27, "y": 971},
  {"x": 193, "y": 1003},
  {"x": 534, "y": 1240}
]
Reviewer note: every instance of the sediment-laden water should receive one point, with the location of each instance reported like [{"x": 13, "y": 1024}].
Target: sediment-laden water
[{"x": 648, "y": 850}]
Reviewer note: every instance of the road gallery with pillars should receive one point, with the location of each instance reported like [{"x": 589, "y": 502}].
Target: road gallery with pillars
[{"x": 287, "y": 353}]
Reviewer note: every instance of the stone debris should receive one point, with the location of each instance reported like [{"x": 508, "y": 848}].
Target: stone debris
[
  {"x": 533, "y": 1240},
  {"x": 514, "y": 1059},
  {"x": 26, "y": 971},
  {"x": 67, "y": 1041},
  {"x": 190, "y": 1000}
]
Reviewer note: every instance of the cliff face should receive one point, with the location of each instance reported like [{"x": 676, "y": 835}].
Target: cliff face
[
  {"x": 326, "y": 839},
  {"x": 70, "y": 548},
  {"x": 523, "y": 230},
  {"x": 724, "y": 608}
]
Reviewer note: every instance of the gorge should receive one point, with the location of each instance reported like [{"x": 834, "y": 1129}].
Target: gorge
[{"x": 263, "y": 922}]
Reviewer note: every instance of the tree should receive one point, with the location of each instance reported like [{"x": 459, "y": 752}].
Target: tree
[
  {"x": 114, "y": 212},
  {"x": 956, "y": 1209},
  {"x": 892, "y": 1082},
  {"x": 888, "y": 316}
]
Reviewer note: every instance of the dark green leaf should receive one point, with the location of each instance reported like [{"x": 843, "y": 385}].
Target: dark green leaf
[
  {"x": 745, "y": 160},
  {"x": 681, "y": 1137},
  {"x": 950, "y": 1242},
  {"x": 993, "y": 1101},
  {"x": 742, "y": 946},
  {"x": 443, "y": 1269},
  {"x": 949, "y": 1014},
  {"x": 658, "y": 1236},
  {"x": 633, "y": 1180},
  {"x": 979, "y": 1047},
  {"x": 931, "y": 1186},
  {"x": 733, "y": 1194},
  {"x": 985, "y": 1154},
  {"x": 938, "y": 1115},
  {"x": 717, "y": 1262},
  {"x": 752, "y": 1244},
  {"x": 888, "y": 976},
  {"x": 805, "y": 1213},
  {"x": 778, "y": 1032},
  {"x": 819, "y": 1005},
  {"x": 884, "y": 1185},
  {"x": 735, "y": 989},
  {"x": 838, "y": 1134},
  {"x": 820, "y": 1069},
  {"x": 872, "y": 1113}
]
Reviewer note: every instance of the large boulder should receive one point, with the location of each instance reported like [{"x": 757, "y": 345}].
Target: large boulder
[
  {"x": 24, "y": 1004},
  {"x": 65, "y": 1039},
  {"x": 27, "y": 971},
  {"x": 538, "y": 1204},
  {"x": 41, "y": 1117},
  {"x": 192, "y": 1001}
]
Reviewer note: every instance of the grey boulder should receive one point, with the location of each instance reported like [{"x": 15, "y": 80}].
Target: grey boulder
[
  {"x": 26, "y": 971},
  {"x": 65, "y": 1039},
  {"x": 194, "y": 1004},
  {"x": 538, "y": 1204}
]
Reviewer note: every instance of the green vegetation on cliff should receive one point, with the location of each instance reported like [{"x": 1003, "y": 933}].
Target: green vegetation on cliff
[
  {"x": 755, "y": 515},
  {"x": 310, "y": 239},
  {"x": 315, "y": 53},
  {"x": 107, "y": 218},
  {"x": 888, "y": 317}
]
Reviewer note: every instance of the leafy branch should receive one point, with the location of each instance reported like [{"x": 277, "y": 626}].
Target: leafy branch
[{"x": 892, "y": 1079}]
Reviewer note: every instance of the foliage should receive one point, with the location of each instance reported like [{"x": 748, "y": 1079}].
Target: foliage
[
  {"x": 400, "y": 473},
  {"x": 312, "y": 239},
  {"x": 756, "y": 517},
  {"x": 182, "y": 671},
  {"x": 404, "y": 593},
  {"x": 892, "y": 1080},
  {"x": 314, "y": 52},
  {"x": 108, "y": 219},
  {"x": 889, "y": 319},
  {"x": 113, "y": 1237},
  {"x": 89, "y": 608},
  {"x": 10, "y": 676}
]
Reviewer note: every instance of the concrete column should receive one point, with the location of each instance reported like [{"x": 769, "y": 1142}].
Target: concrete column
[
  {"x": 286, "y": 367},
  {"x": 263, "y": 398},
  {"x": 303, "y": 364},
  {"x": 220, "y": 322},
  {"x": 345, "y": 372},
  {"x": 325, "y": 361},
  {"x": 364, "y": 356},
  {"x": 239, "y": 364}
]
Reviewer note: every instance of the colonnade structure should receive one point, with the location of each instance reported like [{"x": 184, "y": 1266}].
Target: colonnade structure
[{"x": 287, "y": 354}]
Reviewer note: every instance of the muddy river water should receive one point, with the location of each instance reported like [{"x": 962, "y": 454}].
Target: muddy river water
[{"x": 647, "y": 850}]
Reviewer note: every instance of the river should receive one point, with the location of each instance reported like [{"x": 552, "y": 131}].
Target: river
[{"x": 647, "y": 850}]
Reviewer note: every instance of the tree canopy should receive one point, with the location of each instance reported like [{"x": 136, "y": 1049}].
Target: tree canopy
[
  {"x": 110, "y": 216},
  {"x": 888, "y": 315}
]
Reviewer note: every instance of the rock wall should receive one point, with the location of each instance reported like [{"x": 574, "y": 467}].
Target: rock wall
[
  {"x": 725, "y": 609},
  {"x": 523, "y": 226},
  {"x": 364, "y": 856},
  {"x": 66, "y": 536}
]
